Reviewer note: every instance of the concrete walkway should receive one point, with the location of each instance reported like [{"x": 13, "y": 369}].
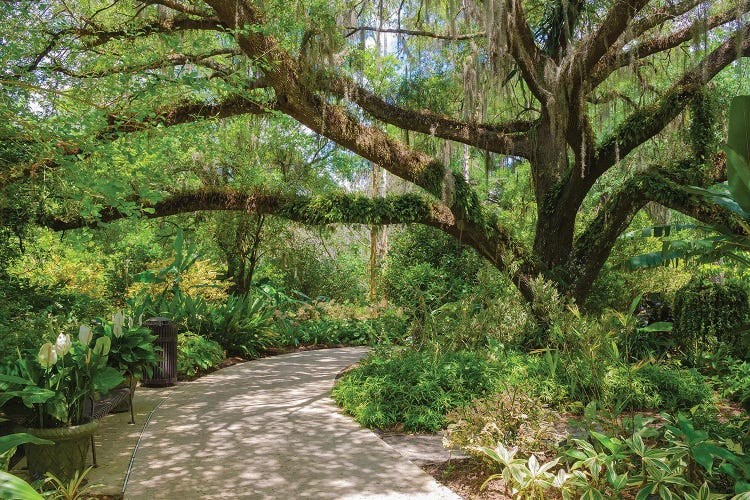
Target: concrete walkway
[{"x": 268, "y": 429}]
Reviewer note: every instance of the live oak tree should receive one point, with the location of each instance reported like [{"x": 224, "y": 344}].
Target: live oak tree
[{"x": 525, "y": 80}]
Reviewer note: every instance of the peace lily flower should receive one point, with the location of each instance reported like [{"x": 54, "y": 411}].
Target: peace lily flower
[
  {"x": 85, "y": 335},
  {"x": 62, "y": 344},
  {"x": 117, "y": 321},
  {"x": 47, "y": 355}
]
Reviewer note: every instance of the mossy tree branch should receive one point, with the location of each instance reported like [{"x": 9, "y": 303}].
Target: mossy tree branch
[{"x": 494, "y": 243}]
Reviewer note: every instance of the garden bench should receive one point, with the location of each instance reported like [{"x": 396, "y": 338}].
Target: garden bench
[{"x": 103, "y": 406}]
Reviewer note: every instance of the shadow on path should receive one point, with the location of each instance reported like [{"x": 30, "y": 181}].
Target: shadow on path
[{"x": 268, "y": 429}]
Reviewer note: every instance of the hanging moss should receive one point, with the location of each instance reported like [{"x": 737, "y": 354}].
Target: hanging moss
[{"x": 708, "y": 313}]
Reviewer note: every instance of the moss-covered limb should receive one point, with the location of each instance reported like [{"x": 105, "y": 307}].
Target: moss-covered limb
[
  {"x": 508, "y": 138},
  {"x": 474, "y": 228},
  {"x": 592, "y": 247},
  {"x": 645, "y": 123},
  {"x": 323, "y": 209},
  {"x": 663, "y": 186},
  {"x": 618, "y": 57}
]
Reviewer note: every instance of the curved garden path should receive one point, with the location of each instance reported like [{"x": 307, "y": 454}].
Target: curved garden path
[{"x": 269, "y": 429}]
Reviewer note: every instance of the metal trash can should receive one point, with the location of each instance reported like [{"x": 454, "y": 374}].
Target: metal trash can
[{"x": 165, "y": 373}]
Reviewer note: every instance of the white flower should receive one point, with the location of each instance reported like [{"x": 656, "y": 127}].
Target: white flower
[
  {"x": 85, "y": 335},
  {"x": 117, "y": 321},
  {"x": 130, "y": 322},
  {"x": 62, "y": 344},
  {"x": 47, "y": 355}
]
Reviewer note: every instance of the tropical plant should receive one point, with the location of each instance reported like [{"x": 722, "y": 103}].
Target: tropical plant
[
  {"x": 734, "y": 196},
  {"x": 196, "y": 354},
  {"x": 526, "y": 479},
  {"x": 77, "y": 488},
  {"x": 14, "y": 488},
  {"x": 132, "y": 350},
  {"x": 242, "y": 324},
  {"x": 671, "y": 459},
  {"x": 511, "y": 416},
  {"x": 53, "y": 386}
]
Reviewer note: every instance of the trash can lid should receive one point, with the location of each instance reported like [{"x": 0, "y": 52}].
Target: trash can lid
[{"x": 157, "y": 321}]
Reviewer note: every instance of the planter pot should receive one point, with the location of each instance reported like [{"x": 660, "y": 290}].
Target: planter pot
[{"x": 63, "y": 458}]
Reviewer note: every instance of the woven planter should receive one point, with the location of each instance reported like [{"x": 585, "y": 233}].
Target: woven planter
[{"x": 63, "y": 458}]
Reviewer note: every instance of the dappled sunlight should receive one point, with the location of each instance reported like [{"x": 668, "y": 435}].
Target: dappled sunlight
[{"x": 268, "y": 429}]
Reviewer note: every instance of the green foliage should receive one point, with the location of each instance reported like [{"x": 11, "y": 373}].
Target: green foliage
[
  {"x": 510, "y": 416},
  {"x": 28, "y": 312},
  {"x": 426, "y": 269},
  {"x": 14, "y": 488},
  {"x": 76, "y": 488},
  {"x": 735, "y": 383},
  {"x": 50, "y": 389},
  {"x": 131, "y": 351},
  {"x": 671, "y": 459},
  {"x": 525, "y": 479},
  {"x": 412, "y": 390},
  {"x": 707, "y": 313},
  {"x": 654, "y": 387},
  {"x": 301, "y": 266},
  {"x": 242, "y": 324},
  {"x": 196, "y": 354}
]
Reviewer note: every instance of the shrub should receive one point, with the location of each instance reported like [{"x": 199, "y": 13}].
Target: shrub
[
  {"x": 196, "y": 354},
  {"x": 655, "y": 387},
  {"x": 242, "y": 325},
  {"x": 426, "y": 269},
  {"x": 511, "y": 417},
  {"x": 413, "y": 389},
  {"x": 706, "y": 312}
]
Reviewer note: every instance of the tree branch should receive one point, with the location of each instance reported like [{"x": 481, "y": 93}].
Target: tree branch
[
  {"x": 169, "y": 61},
  {"x": 509, "y": 138},
  {"x": 336, "y": 208},
  {"x": 663, "y": 186},
  {"x": 427, "y": 34},
  {"x": 617, "y": 57},
  {"x": 180, "y": 7},
  {"x": 101, "y": 37},
  {"x": 525, "y": 52},
  {"x": 595, "y": 46},
  {"x": 647, "y": 122}
]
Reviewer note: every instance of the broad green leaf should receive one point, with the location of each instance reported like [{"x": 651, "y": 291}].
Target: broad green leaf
[
  {"x": 738, "y": 134},
  {"x": 106, "y": 379},
  {"x": 660, "y": 326},
  {"x": 15, "y": 488},
  {"x": 738, "y": 178},
  {"x": 14, "y": 440},
  {"x": 15, "y": 380}
]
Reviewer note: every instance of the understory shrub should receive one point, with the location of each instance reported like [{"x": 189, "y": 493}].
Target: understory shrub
[
  {"x": 655, "y": 387},
  {"x": 510, "y": 416},
  {"x": 413, "y": 390},
  {"x": 426, "y": 268},
  {"x": 196, "y": 354},
  {"x": 240, "y": 323},
  {"x": 707, "y": 313}
]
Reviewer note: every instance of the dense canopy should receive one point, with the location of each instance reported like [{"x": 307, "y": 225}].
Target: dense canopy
[{"x": 102, "y": 102}]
